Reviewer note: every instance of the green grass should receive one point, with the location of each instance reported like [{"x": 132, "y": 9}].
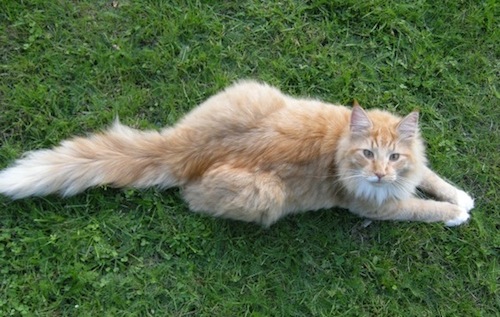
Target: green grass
[{"x": 70, "y": 67}]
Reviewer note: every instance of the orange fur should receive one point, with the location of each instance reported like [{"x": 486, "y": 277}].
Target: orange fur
[{"x": 252, "y": 153}]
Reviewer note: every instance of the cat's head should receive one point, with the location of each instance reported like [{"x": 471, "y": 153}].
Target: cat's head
[{"x": 381, "y": 156}]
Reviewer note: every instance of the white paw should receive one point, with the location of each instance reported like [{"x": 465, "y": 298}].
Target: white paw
[
  {"x": 462, "y": 217},
  {"x": 464, "y": 200}
]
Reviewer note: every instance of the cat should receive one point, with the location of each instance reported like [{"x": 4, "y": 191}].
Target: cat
[{"x": 255, "y": 154}]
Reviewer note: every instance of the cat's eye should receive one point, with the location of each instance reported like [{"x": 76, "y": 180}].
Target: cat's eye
[
  {"x": 394, "y": 157},
  {"x": 368, "y": 154}
]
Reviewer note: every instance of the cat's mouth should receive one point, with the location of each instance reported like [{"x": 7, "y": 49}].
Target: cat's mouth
[{"x": 375, "y": 180}]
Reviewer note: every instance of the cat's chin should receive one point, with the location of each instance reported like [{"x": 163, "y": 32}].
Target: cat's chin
[
  {"x": 378, "y": 184},
  {"x": 379, "y": 192}
]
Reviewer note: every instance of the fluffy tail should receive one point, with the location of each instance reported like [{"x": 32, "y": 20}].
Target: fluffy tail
[{"x": 120, "y": 156}]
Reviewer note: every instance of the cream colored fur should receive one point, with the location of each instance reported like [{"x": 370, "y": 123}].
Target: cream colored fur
[{"x": 254, "y": 154}]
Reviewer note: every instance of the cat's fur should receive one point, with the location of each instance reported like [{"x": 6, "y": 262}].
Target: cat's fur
[{"x": 254, "y": 154}]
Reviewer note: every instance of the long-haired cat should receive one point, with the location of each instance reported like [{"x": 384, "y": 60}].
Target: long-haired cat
[{"x": 254, "y": 154}]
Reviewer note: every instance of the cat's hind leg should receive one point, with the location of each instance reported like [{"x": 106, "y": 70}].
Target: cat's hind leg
[
  {"x": 442, "y": 190},
  {"x": 239, "y": 194}
]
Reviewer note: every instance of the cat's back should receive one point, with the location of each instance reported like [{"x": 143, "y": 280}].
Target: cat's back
[
  {"x": 242, "y": 105},
  {"x": 250, "y": 104},
  {"x": 252, "y": 124}
]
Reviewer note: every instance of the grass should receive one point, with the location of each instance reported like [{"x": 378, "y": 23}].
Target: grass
[{"x": 70, "y": 67}]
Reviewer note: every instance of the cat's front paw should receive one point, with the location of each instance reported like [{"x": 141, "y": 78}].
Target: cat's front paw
[
  {"x": 461, "y": 217},
  {"x": 464, "y": 200}
]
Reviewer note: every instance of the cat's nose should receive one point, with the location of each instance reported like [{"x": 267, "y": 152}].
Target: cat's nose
[{"x": 379, "y": 175}]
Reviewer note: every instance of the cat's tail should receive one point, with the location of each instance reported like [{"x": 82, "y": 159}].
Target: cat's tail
[{"x": 120, "y": 157}]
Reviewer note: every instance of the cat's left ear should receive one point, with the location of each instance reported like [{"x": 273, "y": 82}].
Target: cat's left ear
[{"x": 408, "y": 126}]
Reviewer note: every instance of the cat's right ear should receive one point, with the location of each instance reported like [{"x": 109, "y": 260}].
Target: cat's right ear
[{"x": 360, "y": 123}]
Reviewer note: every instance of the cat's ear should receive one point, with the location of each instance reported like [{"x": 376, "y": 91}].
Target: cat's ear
[
  {"x": 408, "y": 126},
  {"x": 360, "y": 123}
]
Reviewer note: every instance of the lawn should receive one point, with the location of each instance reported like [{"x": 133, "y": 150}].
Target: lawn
[{"x": 70, "y": 67}]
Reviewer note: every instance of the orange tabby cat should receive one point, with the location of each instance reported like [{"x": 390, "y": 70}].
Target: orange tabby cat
[{"x": 252, "y": 153}]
